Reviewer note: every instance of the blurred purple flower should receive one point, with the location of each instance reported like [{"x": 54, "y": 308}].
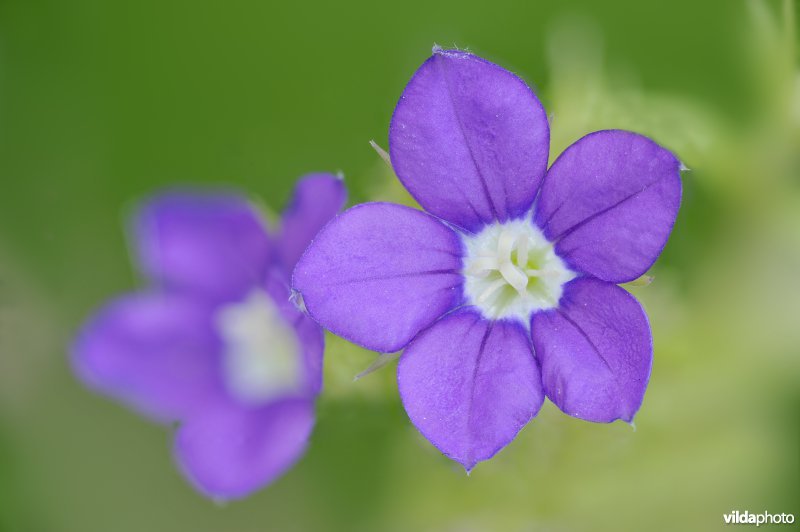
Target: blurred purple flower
[
  {"x": 504, "y": 291},
  {"x": 214, "y": 342}
]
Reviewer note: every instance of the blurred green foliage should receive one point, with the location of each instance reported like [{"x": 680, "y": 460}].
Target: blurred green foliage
[{"x": 104, "y": 102}]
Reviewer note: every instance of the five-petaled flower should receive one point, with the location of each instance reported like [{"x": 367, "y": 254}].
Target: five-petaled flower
[
  {"x": 214, "y": 342},
  {"x": 505, "y": 290}
]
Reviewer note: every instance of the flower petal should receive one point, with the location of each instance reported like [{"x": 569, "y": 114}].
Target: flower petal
[
  {"x": 596, "y": 351},
  {"x": 379, "y": 273},
  {"x": 610, "y": 201},
  {"x": 212, "y": 243},
  {"x": 157, "y": 353},
  {"x": 469, "y": 140},
  {"x": 317, "y": 198},
  {"x": 469, "y": 385},
  {"x": 228, "y": 452},
  {"x": 309, "y": 333}
]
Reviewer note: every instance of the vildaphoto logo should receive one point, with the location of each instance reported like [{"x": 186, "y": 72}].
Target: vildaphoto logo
[{"x": 746, "y": 518}]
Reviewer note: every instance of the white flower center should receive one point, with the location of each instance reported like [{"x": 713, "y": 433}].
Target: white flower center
[
  {"x": 511, "y": 271},
  {"x": 261, "y": 357}
]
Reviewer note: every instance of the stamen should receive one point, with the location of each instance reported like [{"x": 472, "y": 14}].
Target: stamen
[
  {"x": 522, "y": 250},
  {"x": 483, "y": 265},
  {"x": 543, "y": 273},
  {"x": 504, "y": 245},
  {"x": 491, "y": 289},
  {"x": 514, "y": 276}
]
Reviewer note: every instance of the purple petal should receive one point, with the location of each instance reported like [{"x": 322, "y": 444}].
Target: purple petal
[
  {"x": 312, "y": 339},
  {"x": 595, "y": 350},
  {"x": 610, "y": 201},
  {"x": 157, "y": 353},
  {"x": 469, "y": 385},
  {"x": 309, "y": 333},
  {"x": 317, "y": 199},
  {"x": 469, "y": 140},
  {"x": 215, "y": 244},
  {"x": 379, "y": 273},
  {"x": 228, "y": 452}
]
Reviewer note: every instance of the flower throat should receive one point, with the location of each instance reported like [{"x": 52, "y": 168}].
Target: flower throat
[{"x": 511, "y": 270}]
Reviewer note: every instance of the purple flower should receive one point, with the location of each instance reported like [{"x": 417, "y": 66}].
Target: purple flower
[
  {"x": 214, "y": 343},
  {"x": 505, "y": 290}
]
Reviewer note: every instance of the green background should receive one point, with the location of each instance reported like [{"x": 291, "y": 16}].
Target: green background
[{"x": 103, "y": 103}]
